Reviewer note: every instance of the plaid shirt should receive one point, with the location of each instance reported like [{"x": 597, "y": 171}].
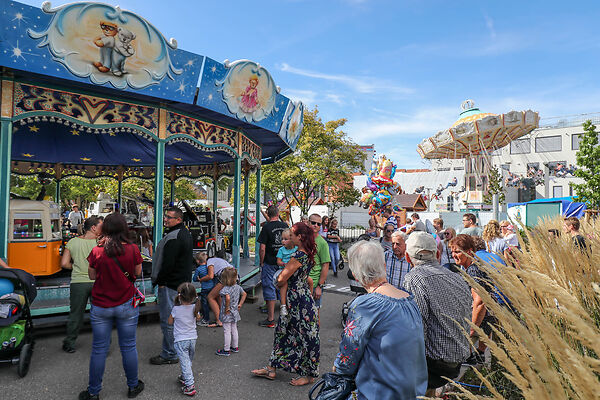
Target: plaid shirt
[
  {"x": 396, "y": 269},
  {"x": 443, "y": 297}
]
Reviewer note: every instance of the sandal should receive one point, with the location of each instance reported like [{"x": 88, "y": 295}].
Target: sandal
[
  {"x": 307, "y": 380},
  {"x": 215, "y": 325},
  {"x": 264, "y": 372}
]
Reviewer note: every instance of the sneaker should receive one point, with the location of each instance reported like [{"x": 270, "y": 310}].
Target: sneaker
[
  {"x": 222, "y": 352},
  {"x": 189, "y": 390},
  {"x": 475, "y": 359},
  {"x": 181, "y": 380},
  {"x": 133, "y": 392},
  {"x": 203, "y": 323},
  {"x": 235, "y": 350},
  {"x": 283, "y": 310},
  {"x": 85, "y": 395},
  {"x": 159, "y": 360},
  {"x": 67, "y": 348},
  {"x": 267, "y": 324}
]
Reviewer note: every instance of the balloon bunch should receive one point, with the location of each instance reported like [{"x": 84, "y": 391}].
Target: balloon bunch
[{"x": 377, "y": 195}]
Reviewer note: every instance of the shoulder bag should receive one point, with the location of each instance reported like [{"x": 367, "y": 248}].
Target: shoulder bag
[
  {"x": 138, "y": 297},
  {"x": 333, "y": 386}
]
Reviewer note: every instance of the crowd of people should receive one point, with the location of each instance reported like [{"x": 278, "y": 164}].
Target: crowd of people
[{"x": 417, "y": 303}]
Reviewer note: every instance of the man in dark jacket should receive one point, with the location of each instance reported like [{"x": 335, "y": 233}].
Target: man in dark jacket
[{"x": 172, "y": 265}]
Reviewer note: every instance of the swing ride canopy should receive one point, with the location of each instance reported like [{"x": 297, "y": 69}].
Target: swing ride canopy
[
  {"x": 92, "y": 90},
  {"x": 477, "y": 133}
]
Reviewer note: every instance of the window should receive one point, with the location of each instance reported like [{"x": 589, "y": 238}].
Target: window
[
  {"x": 55, "y": 225},
  {"x": 450, "y": 203},
  {"x": 557, "y": 191},
  {"x": 548, "y": 143},
  {"x": 459, "y": 168},
  {"x": 575, "y": 139},
  {"x": 27, "y": 226},
  {"x": 520, "y": 146}
]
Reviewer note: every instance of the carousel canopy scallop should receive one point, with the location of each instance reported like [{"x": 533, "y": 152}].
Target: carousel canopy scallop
[{"x": 477, "y": 133}]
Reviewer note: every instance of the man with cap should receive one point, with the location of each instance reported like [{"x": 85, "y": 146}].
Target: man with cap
[{"x": 444, "y": 298}]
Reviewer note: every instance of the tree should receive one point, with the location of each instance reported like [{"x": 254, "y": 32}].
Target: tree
[
  {"x": 342, "y": 195},
  {"x": 494, "y": 187},
  {"x": 588, "y": 157},
  {"x": 324, "y": 157}
]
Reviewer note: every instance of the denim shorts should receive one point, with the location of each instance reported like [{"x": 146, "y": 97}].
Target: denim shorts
[{"x": 266, "y": 277}]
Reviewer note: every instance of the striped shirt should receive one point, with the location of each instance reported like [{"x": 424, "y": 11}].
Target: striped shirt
[
  {"x": 444, "y": 299},
  {"x": 396, "y": 269}
]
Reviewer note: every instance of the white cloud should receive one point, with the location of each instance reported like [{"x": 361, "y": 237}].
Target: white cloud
[
  {"x": 489, "y": 23},
  {"x": 360, "y": 84},
  {"x": 308, "y": 97}
]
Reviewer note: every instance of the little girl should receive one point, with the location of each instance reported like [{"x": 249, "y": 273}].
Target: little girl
[
  {"x": 232, "y": 298},
  {"x": 183, "y": 316},
  {"x": 284, "y": 255}
]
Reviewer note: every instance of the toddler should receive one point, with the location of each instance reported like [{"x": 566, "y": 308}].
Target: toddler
[
  {"x": 183, "y": 317},
  {"x": 284, "y": 255},
  {"x": 232, "y": 298},
  {"x": 206, "y": 286}
]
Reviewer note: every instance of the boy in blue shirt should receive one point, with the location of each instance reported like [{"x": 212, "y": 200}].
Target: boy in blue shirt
[{"x": 205, "y": 286}]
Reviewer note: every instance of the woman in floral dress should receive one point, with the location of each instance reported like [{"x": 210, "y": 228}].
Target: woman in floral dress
[{"x": 296, "y": 347}]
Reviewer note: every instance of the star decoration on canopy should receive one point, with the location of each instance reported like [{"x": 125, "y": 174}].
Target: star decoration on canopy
[
  {"x": 34, "y": 129},
  {"x": 111, "y": 134},
  {"x": 209, "y": 156},
  {"x": 178, "y": 158},
  {"x": 75, "y": 132},
  {"x": 136, "y": 159},
  {"x": 85, "y": 159},
  {"x": 27, "y": 155}
]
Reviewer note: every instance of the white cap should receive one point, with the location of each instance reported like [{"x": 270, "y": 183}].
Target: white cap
[{"x": 419, "y": 242}]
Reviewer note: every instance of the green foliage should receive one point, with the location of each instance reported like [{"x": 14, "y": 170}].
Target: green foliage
[
  {"x": 588, "y": 157},
  {"x": 494, "y": 187},
  {"x": 342, "y": 195},
  {"x": 324, "y": 157}
]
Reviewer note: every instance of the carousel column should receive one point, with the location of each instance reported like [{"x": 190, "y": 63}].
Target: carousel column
[
  {"x": 5, "y": 155},
  {"x": 237, "y": 183},
  {"x": 57, "y": 194},
  {"x": 246, "y": 212},
  {"x": 258, "y": 215},
  {"x": 172, "y": 199},
  {"x": 215, "y": 189},
  {"x": 159, "y": 178}
]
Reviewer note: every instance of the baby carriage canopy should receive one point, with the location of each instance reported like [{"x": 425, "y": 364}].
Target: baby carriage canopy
[{"x": 27, "y": 281}]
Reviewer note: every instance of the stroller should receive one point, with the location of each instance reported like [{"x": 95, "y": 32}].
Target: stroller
[{"x": 16, "y": 324}]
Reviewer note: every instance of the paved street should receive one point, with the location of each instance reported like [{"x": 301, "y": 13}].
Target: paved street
[{"x": 58, "y": 375}]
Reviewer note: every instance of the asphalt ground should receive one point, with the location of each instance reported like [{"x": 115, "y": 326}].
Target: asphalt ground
[{"x": 55, "y": 374}]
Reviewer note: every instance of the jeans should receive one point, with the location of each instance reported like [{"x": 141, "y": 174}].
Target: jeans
[
  {"x": 166, "y": 297},
  {"x": 204, "y": 304},
  {"x": 79, "y": 295},
  {"x": 266, "y": 278},
  {"x": 334, "y": 253},
  {"x": 125, "y": 317},
  {"x": 185, "y": 351},
  {"x": 230, "y": 334}
]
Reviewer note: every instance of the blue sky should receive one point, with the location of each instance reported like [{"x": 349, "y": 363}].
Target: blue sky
[{"x": 399, "y": 70}]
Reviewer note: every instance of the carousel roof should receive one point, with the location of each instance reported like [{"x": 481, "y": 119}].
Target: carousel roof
[
  {"x": 478, "y": 133},
  {"x": 96, "y": 85}
]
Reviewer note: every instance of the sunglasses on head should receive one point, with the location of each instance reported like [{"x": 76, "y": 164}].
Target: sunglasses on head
[
  {"x": 315, "y": 223},
  {"x": 389, "y": 230}
]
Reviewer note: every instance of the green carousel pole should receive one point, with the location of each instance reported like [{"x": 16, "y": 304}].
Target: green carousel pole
[
  {"x": 246, "y": 213},
  {"x": 57, "y": 194},
  {"x": 6, "y": 107},
  {"x": 120, "y": 195},
  {"x": 237, "y": 183},
  {"x": 215, "y": 203},
  {"x": 159, "y": 190},
  {"x": 258, "y": 215},
  {"x": 172, "y": 199}
]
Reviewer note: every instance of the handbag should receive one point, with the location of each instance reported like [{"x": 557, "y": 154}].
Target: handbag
[
  {"x": 138, "y": 296},
  {"x": 333, "y": 386}
]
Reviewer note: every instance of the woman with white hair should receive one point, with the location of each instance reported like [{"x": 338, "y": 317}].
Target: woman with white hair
[{"x": 382, "y": 344}]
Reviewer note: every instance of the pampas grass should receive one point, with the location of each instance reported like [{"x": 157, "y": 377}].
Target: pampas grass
[{"x": 548, "y": 344}]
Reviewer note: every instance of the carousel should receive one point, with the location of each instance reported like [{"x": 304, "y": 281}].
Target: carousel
[
  {"x": 474, "y": 137},
  {"x": 91, "y": 90}
]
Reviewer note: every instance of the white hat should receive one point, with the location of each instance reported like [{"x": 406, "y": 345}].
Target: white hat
[{"x": 419, "y": 242}]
